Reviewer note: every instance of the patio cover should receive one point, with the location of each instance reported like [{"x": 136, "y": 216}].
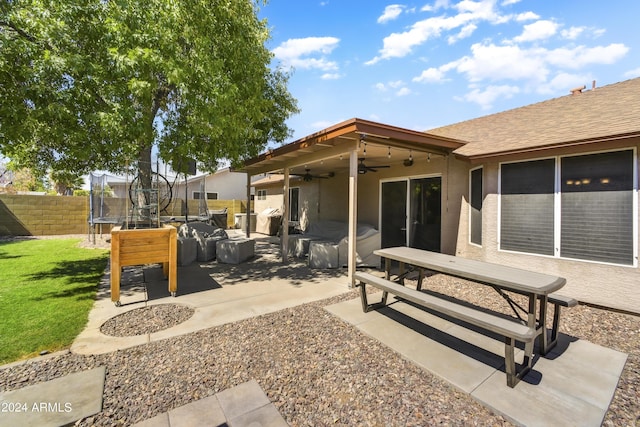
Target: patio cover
[{"x": 327, "y": 149}]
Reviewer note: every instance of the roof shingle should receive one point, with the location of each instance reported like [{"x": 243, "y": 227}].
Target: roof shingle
[{"x": 604, "y": 112}]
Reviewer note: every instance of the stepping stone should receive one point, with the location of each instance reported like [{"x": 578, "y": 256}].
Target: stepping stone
[{"x": 54, "y": 403}]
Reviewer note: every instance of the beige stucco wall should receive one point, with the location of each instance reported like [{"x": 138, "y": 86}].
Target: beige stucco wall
[
  {"x": 334, "y": 193},
  {"x": 591, "y": 282},
  {"x": 308, "y": 201}
]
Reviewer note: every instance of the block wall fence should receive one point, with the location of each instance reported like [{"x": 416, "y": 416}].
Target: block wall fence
[{"x": 27, "y": 215}]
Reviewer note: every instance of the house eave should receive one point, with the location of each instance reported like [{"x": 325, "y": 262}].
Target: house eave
[
  {"x": 540, "y": 150},
  {"x": 342, "y": 138}
]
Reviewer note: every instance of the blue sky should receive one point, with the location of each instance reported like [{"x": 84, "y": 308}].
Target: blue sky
[{"x": 425, "y": 64}]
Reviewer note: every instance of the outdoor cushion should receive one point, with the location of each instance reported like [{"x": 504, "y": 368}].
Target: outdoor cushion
[
  {"x": 367, "y": 240},
  {"x": 206, "y": 237},
  {"x": 187, "y": 250}
]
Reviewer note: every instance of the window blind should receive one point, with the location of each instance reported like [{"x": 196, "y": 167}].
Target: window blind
[
  {"x": 597, "y": 207},
  {"x": 527, "y": 206}
]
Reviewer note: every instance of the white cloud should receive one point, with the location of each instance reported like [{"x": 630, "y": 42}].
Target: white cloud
[
  {"x": 331, "y": 76},
  {"x": 546, "y": 71},
  {"x": 398, "y": 86},
  {"x": 562, "y": 83},
  {"x": 509, "y": 2},
  {"x": 397, "y": 45},
  {"x": 321, "y": 124},
  {"x": 390, "y": 13},
  {"x": 527, "y": 16},
  {"x": 465, "y": 32},
  {"x": 572, "y": 33},
  {"x": 430, "y": 75},
  {"x": 485, "y": 98},
  {"x": 539, "y": 30},
  {"x": 308, "y": 53},
  {"x": 580, "y": 56},
  {"x": 439, "y": 4},
  {"x": 633, "y": 73},
  {"x": 380, "y": 86},
  {"x": 491, "y": 62}
]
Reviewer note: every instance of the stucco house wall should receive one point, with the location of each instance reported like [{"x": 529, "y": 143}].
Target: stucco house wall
[
  {"x": 308, "y": 199},
  {"x": 227, "y": 184},
  {"x": 592, "y": 282}
]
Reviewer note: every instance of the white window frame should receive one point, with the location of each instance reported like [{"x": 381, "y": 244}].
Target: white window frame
[
  {"x": 558, "y": 206},
  {"x": 407, "y": 180},
  {"x": 207, "y": 193},
  {"x": 261, "y": 194},
  {"x": 291, "y": 221}
]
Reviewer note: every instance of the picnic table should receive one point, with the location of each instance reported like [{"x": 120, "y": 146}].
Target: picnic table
[{"x": 537, "y": 287}]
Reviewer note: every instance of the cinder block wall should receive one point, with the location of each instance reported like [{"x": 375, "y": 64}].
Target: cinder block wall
[{"x": 22, "y": 215}]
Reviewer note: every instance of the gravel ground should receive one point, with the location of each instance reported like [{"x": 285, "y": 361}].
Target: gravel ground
[{"x": 315, "y": 368}]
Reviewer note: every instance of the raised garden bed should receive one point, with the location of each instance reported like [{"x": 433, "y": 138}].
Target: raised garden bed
[{"x": 143, "y": 246}]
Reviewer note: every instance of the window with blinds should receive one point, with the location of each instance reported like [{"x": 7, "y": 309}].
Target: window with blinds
[
  {"x": 597, "y": 207},
  {"x": 475, "y": 214},
  {"x": 527, "y": 206}
]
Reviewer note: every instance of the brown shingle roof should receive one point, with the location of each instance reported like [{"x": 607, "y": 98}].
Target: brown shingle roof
[{"x": 599, "y": 114}]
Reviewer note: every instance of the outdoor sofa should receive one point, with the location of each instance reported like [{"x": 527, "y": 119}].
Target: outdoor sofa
[
  {"x": 327, "y": 244},
  {"x": 205, "y": 236}
]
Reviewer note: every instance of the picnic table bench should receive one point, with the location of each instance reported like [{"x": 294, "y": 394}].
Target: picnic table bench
[
  {"x": 510, "y": 330},
  {"x": 538, "y": 287}
]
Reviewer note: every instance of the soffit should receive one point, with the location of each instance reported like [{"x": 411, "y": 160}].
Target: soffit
[{"x": 328, "y": 150}]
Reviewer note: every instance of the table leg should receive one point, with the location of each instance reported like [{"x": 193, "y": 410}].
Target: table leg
[
  {"x": 531, "y": 322},
  {"x": 544, "y": 342},
  {"x": 401, "y": 272},
  {"x": 387, "y": 268}
]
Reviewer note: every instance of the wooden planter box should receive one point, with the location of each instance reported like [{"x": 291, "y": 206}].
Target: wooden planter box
[{"x": 143, "y": 246}]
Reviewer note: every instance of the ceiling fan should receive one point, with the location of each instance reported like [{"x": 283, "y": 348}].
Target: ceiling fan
[
  {"x": 362, "y": 168},
  {"x": 308, "y": 177}
]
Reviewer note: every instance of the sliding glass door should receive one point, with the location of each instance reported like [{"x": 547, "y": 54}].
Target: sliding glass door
[{"x": 410, "y": 214}]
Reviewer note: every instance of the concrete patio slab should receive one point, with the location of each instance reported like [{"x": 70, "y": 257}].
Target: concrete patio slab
[
  {"x": 203, "y": 412},
  {"x": 241, "y": 406},
  {"x": 54, "y": 403},
  {"x": 219, "y": 294},
  {"x": 572, "y": 385}
]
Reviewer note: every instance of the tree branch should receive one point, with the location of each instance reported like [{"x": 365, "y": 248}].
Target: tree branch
[{"x": 10, "y": 25}]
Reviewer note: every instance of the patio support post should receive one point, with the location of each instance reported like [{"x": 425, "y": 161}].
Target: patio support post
[
  {"x": 284, "y": 236},
  {"x": 248, "y": 224},
  {"x": 353, "y": 215}
]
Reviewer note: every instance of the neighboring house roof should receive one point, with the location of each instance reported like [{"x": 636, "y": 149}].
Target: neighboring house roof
[{"x": 605, "y": 113}]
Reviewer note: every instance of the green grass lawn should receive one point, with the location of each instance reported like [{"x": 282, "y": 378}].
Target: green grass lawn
[{"x": 47, "y": 288}]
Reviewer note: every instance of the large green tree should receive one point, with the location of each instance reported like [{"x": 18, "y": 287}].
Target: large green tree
[{"x": 96, "y": 84}]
